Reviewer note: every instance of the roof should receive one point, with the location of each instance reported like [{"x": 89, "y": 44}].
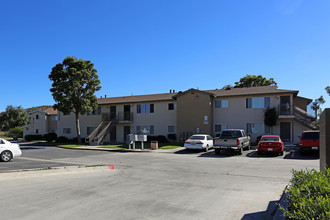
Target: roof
[
  {"x": 136, "y": 98},
  {"x": 48, "y": 111},
  {"x": 261, "y": 90},
  {"x": 193, "y": 90}
]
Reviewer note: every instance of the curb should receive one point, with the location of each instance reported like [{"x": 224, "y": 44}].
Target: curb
[
  {"x": 106, "y": 149},
  {"x": 17, "y": 174}
]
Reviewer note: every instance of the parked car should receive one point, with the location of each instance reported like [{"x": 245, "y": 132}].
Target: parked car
[
  {"x": 270, "y": 143},
  {"x": 199, "y": 141},
  {"x": 8, "y": 150},
  {"x": 309, "y": 141},
  {"x": 232, "y": 139}
]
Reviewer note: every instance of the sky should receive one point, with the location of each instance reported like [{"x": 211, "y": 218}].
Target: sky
[{"x": 152, "y": 46}]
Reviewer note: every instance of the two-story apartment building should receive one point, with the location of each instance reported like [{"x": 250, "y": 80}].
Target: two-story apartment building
[
  {"x": 193, "y": 111},
  {"x": 41, "y": 122}
]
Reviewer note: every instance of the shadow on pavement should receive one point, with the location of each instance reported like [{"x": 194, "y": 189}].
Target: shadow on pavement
[
  {"x": 263, "y": 155},
  {"x": 296, "y": 155},
  {"x": 268, "y": 214}
]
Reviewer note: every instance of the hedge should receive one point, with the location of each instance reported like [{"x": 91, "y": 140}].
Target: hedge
[
  {"x": 33, "y": 137},
  {"x": 50, "y": 136},
  {"x": 308, "y": 195}
]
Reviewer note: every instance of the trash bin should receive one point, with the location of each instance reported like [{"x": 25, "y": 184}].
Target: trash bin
[{"x": 154, "y": 145}]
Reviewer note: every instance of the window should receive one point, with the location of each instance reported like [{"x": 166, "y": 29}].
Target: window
[
  {"x": 145, "y": 129},
  {"x": 90, "y": 130},
  {"x": 218, "y": 128},
  {"x": 37, "y": 116},
  {"x": 66, "y": 130},
  {"x": 257, "y": 128},
  {"x": 53, "y": 118},
  {"x": 221, "y": 104},
  {"x": 95, "y": 112},
  {"x": 171, "y": 129},
  {"x": 258, "y": 102},
  {"x": 37, "y": 131},
  {"x": 171, "y": 106},
  {"x": 145, "y": 108}
]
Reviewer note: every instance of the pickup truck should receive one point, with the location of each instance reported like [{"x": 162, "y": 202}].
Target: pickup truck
[{"x": 232, "y": 139}]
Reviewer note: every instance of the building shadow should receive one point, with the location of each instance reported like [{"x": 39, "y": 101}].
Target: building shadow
[{"x": 267, "y": 214}]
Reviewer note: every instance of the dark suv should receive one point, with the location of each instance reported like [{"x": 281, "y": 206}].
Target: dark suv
[{"x": 309, "y": 141}]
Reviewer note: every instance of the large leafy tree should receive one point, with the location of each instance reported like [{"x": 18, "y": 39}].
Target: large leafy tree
[
  {"x": 13, "y": 117},
  {"x": 253, "y": 80},
  {"x": 316, "y": 105},
  {"x": 328, "y": 89},
  {"x": 74, "y": 84}
]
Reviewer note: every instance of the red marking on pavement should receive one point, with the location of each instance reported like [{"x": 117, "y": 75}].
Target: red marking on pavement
[{"x": 111, "y": 167}]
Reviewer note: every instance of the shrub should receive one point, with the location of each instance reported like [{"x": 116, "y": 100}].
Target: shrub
[
  {"x": 75, "y": 140},
  {"x": 258, "y": 139},
  {"x": 171, "y": 137},
  {"x": 61, "y": 139},
  {"x": 159, "y": 138},
  {"x": 308, "y": 195},
  {"x": 50, "y": 136},
  {"x": 16, "y": 132},
  {"x": 33, "y": 137}
]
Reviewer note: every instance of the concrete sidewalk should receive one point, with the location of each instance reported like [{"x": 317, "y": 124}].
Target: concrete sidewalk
[{"x": 99, "y": 148}]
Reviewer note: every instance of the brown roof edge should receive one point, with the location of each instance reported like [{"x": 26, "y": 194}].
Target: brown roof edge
[
  {"x": 307, "y": 99},
  {"x": 193, "y": 90}
]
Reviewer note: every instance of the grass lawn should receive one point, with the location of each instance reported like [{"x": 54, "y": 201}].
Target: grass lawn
[
  {"x": 123, "y": 146},
  {"x": 145, "y": 146}
]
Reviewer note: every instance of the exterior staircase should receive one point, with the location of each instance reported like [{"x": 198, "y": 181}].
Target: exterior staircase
[
  {"x": 303, "y": 117},
  {"x": 100, "y": 131}
]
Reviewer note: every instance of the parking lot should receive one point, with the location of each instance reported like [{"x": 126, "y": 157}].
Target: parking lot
[{"x": 159, "y": 185}]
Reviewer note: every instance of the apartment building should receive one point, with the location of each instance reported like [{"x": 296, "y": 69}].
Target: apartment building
[
  {"x": 41, "y": 122},
  {"x": 192, "y": 111}
]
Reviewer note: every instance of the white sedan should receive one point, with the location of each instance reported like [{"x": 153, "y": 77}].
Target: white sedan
[
  {"x": 8, "y": 150},
  {"x": 199, "y": 141}
]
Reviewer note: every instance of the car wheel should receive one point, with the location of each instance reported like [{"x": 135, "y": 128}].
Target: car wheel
[
  {"x": 239, "y": 152},
  {"x": 280, "y": 153},
  {"x": 6, "y": 156},
  {"x": 217, "y": 151}
]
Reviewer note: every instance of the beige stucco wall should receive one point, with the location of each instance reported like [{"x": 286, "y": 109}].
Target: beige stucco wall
[
  {"x": 40, "y": 124},
  {"x": 191, "y": 112},
  {"x": 160, "y": 119}
]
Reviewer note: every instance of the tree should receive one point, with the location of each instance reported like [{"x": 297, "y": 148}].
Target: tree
[
  {"x": 270, "y": 117},
  {"x": 253, "y": 80},
  {"x": 74, "y": 84},
  {"x": 13, "y": 117},
  {"x": 316, "y": 105},
  {"x": 328, "y": 89}
]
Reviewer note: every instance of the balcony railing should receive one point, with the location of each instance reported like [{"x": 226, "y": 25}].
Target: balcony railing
[
  {"x": 285, "y": 109},
  {"x": 120, "y": 117}
]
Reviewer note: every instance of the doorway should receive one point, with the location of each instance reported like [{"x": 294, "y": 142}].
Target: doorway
[
  {"x": 127, "y": 131},
  {"x": 127, "y": 112},
  {"x": 285, "y": 131}
]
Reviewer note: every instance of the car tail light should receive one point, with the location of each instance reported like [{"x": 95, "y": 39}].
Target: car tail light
[
  {"x": 187, "y": 142},
  {"x": 238, "y": 142},
  {"x": 213, "y": 142},
  {"x": 199, "y": 143}
]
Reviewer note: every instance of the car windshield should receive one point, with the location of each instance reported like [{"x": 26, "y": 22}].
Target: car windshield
[
  {"x": 310, "y": 136},
  {"x": 270, "y": 139},
  {"x": 197, "y": 138},
  {"x": 231, "y": 134}
]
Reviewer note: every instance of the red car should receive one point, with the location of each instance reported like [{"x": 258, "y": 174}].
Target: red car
[
  {"x": 309, "y": 141},
  {"x": 270, "y": 143}
]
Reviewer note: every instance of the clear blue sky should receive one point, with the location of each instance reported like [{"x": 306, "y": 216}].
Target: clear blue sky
[{"x": 152, "y": 46}]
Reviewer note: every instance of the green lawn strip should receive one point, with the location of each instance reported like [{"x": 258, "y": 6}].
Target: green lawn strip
[
  {"x": 145, "y": 146},
  {"x": 70, "y": 145}
]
